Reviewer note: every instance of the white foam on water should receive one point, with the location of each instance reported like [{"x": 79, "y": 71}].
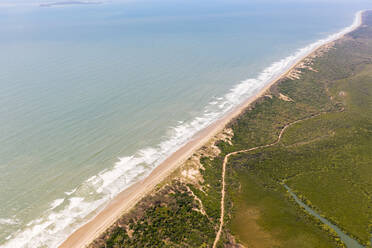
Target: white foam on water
[
  {"x": 84, "y": 202},
  {"x": 56, "y": 203},
  {"x": 9, "y": 221},
  {"x": 70, "y": 192}
]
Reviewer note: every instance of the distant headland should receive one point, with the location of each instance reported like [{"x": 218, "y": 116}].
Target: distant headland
[{"x": 53, "y": 4}]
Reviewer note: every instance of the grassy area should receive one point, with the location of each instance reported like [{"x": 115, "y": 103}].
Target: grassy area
[{"x": 276, "y": 221}]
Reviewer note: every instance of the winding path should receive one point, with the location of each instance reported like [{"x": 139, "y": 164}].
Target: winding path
[{"x": 241, "y": 151}]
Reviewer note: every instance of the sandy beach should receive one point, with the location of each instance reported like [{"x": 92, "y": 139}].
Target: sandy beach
[{"x": 124, "y": 201}]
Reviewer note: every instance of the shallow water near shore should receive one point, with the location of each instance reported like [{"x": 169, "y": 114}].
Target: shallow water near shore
[{"x": 94, "y": 97}]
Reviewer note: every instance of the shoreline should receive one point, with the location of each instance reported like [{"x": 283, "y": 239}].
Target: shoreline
[{"x": 127, "y": 199}]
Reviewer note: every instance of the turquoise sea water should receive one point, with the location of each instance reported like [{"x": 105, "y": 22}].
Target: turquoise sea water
[{"x": 92, "y": 97}]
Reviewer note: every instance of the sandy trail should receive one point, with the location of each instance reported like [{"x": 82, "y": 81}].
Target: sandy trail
[{"x": 226, "y": 159}]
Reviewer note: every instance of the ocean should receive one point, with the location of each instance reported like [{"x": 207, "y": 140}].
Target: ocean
[{"x": 94, "y": 96}]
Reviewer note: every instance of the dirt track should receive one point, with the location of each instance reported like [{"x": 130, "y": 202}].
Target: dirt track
[{"x": 241, "y": 151}]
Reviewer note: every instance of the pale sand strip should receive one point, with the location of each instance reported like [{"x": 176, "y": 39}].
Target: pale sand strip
[{"x": 129, "y": 197}]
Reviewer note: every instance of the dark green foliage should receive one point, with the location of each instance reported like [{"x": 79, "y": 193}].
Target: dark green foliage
[{"x": 117, "y": 238}]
